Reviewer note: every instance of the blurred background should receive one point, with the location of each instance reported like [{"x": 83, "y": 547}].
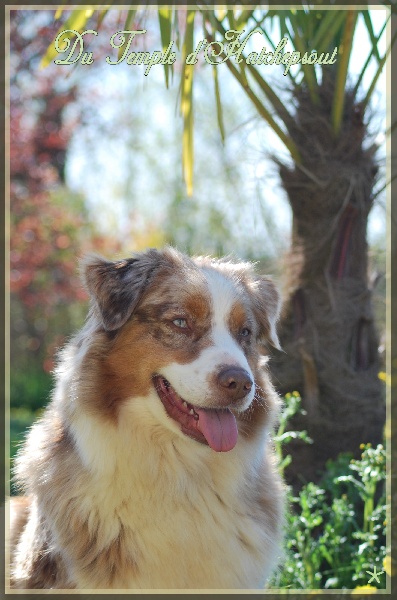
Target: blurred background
[{"x": 96, "y": 167}]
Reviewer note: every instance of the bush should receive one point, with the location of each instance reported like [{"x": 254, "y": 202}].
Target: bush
[
  {"x": 336, "y": 530},
  {"x": 29, "y": 388}
]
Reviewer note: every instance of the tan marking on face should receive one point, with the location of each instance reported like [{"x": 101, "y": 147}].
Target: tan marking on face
[
  {"x": 242, "y": 318},
  {"x": 256, "y": 417},
  {"x": 238, "y": 317},
  {"x": 127, "y": 370},
  {"x": 149, "y": 341}
]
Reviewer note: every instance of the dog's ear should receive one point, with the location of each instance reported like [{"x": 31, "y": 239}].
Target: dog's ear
[
  {"x": 266, "y": 302},
  {"x": 116, "y": 287}
]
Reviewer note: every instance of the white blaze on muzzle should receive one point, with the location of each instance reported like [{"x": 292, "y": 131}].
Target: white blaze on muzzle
[{"x": 195, "y": 387}]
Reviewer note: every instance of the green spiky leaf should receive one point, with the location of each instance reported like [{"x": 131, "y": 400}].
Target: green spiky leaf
[
  {"x": 165, "y": 22},
  {"x": 187, "y": 104}
]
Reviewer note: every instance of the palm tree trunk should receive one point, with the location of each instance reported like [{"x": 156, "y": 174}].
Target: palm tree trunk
[{"x": 327, "y": 329}]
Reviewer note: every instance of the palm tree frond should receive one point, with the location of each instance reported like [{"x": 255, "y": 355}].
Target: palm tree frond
[
  {"x": 165, "y": 23},
  {"x": 265, "y": 114},
  {"x": 102, "y": 14},
  {"x": 369, "y": 58},
  {"x": 128, "y": 21},
  {"x": 374, "y": 40},
  {"x": 342, "y": 70},
  {"x": 244, "y": 17},
  {"x": 324, "y": 37},
  {"x": 130, "y": 18},
  {"x": 378, "y": 72},
  {"x": 219, "y": 112},
  {"x": 231, "y": 19},
  {"x": 187, "y": 104},
  {"x": 308, "y": 70}
]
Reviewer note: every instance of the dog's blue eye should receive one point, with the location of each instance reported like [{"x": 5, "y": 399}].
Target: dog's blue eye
[
  {"x": 245, "y": 332},
  {"x": 182, "y": 323}
]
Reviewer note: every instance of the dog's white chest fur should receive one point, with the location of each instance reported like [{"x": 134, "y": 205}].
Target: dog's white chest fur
[{"x": 181, "y": 509}]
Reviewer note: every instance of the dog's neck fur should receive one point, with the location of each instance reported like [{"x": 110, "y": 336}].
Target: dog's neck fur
[{"x": 130, "y": 497}]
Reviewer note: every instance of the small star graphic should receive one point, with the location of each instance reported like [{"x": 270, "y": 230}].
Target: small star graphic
[{"x": 375, "y": 575}]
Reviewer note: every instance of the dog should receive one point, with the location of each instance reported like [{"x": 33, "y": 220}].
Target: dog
[{"x": 152, "y": 466}]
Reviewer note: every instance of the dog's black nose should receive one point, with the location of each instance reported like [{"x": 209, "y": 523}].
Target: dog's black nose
[{"x": 236, "y": 382}]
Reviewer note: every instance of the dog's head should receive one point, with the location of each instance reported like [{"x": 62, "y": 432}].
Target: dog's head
[{"x": 189, "y": 332}]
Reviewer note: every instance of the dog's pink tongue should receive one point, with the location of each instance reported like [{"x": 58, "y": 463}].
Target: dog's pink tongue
[{"x": 219, "y": 428}]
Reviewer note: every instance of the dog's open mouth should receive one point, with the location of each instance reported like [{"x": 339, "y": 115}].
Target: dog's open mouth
[{"x": 213, "y": 426}]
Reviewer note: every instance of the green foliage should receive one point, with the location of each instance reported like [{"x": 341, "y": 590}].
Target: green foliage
[
  {"x": 29, "y": 388},
  {"x": 292, "y": 406},
  {"x": 336, "y": 529},
  {"x": 29, "y": 392}
]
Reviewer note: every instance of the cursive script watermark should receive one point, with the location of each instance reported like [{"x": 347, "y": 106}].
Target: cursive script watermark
[{"x": 214, "y": 52}]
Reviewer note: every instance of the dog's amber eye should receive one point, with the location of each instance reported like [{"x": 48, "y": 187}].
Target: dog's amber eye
[{"x": 182, "y": 323}]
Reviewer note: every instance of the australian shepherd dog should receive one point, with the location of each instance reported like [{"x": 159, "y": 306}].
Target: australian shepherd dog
[{"x": 153, "y": 466}]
